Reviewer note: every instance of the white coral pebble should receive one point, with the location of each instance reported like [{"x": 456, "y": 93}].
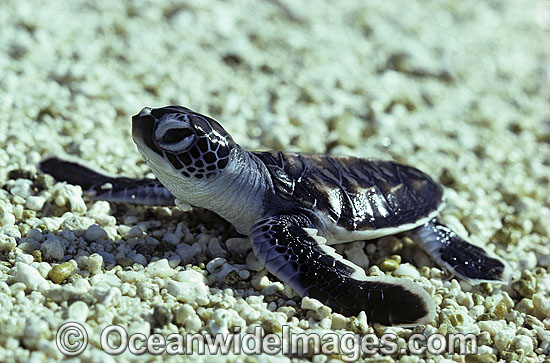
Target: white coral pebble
[
  {"x": 189, "y": 286},
  {"x": 30, "y": 277}
]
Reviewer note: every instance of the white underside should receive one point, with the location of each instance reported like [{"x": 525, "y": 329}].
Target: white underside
[{"x": 336, "y": 234}]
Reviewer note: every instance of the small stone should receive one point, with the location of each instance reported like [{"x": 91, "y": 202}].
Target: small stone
[
  {"x": 524, "y": 342},
  {"x": 259, "y": 282},
  {"x": 215, "y": 263},
  {"x": 36, "y": 330},
  {"x": 78, "y": 311},
  {"x": 252, "y": 262},
  {"x": 232, "y": 277},
  {"x": 61, "y": 272},
  {"x": 389, "y": 265},
  {"x": 36, "y": 235},
  {"x": 528, "y": 261},
  {"x": 476, "y": 311},
  {"x": 95, "y": 263},
  {"x": 145, "y": 291},
  {"x": 409, "y": 359},
  {"x": 189, "y": 252},
  {"x": 74, "y": 223},
  {"x": 140, "y": 259},
  {"x": 161, "y": 316},
  {"x": 135, "y": 232},
  {"x": 131, "y": 276},
  {"x": 532, "y": 320},
  {"x": 355, "y": 252},
  {"x": 396, "y": 258},
  {"x": 174, "y": 261},
  {"x": 542, "y": 304},
  {"x": 25, "y": 258},
  {"x": 215, "y": 249},
  {"x": 186, "y": 316},
  {"x": 311, "y": 304},
  {"x": 406, "y": 269},
  {"x": 481, "y": 358},
  {"x": 339, "y": 321},
  {"x": 525, "y": 306},
  {"x": 274, "y": 288},
  {"x": 7, "y": 243},
  {"x": 189, "y": 287},
  {"x": 30, "y": 277},
  {"x": 527, "y": 285},
  {"x": 25, "y": 213},
  {"x": 53, "y": 248},
  {"x": 500, "y": 310},
  {"x": 22, "y": 188},
  {"x": 456, "y": 319},
  {"x": 73, "y": 195},
  {"x": 484, "y": 338},
  {"x": 37, "y": 255},
  {"x": 504, "y": 338},
  {"x": 6, "y": 218},
  {"x": 35, "y": 203},
  {"x": 44, "y": 268},
  {"x": 100, "y": 213},
  {"x": 16, "y": 288},
  {"x": 108, "y": 258},
  {"x": 160, "y": 268},
  {"x": 244, "y": 274},
  {"x": 95, "y": 233},
  {"x": 106, "y": 279},
  {"x": 492, "y": 326},
  {"x": 238, "y": 246},
  {"x": 124, "y": 261}
]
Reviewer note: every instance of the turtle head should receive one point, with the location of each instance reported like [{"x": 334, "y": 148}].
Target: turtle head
[{"x": 174, "y": 139}]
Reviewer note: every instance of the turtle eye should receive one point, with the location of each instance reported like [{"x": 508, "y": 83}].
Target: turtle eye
[
  {"x": 174, "y": 136},
  {"x": 176, "y": 139}
]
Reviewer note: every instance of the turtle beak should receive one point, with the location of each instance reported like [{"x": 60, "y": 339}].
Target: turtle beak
[{"x": 143, "y": 125}]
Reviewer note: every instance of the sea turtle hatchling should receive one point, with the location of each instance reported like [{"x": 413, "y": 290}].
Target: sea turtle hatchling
[{"x": 294, "y": 206}]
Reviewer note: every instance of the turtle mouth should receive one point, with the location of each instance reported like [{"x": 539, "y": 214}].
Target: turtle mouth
[{"x": 143, "y": 125}]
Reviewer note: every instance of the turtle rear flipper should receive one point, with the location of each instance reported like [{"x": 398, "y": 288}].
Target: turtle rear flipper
[
  {"x": 461, "y": 258},
  {"x": 102, "y": 187},
  {"x": 291, "y": 250}
]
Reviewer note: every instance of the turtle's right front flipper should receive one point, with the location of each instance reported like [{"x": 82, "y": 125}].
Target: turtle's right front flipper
[
  {"x": 103, "y": 187},
  {"x": 291, "y": 250}
]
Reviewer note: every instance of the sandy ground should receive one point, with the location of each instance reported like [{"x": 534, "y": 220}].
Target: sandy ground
[{"x": 457, "y": 89}]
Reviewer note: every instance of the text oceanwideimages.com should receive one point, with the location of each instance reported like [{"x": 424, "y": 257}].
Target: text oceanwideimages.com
[{"x": 72, "y": 340}]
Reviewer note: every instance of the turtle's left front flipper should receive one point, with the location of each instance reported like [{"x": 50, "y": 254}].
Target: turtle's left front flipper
[
  {"x": 102, "y": 187},
  {"x": 468, "y": 262},
  {"x": 290, "y": 248}
]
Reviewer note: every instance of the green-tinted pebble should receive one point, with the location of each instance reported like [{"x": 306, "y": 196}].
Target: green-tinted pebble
[
  {"x": 27, "y": 213},
  {"x": 60, "y": 272},
  {"x": 484, "y": 338},
  {"x": 500, "y": 310},
  {"x": 37, "y": 255},
  {"x": 456, "y": 319},
  {"x": 527, "y": 285},
  {"x": 389, "y": 265},
  {"x": 232, "y": 278}
]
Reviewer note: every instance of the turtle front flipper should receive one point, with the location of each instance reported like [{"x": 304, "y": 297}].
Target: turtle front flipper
[
  {"x": 289, "y": 247},
  {"x": 468, "y": 262},
  {"x": 103, "y": 187}
]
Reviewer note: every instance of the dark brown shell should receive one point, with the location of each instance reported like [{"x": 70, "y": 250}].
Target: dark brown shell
[{"x": 356, "y": 194}]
